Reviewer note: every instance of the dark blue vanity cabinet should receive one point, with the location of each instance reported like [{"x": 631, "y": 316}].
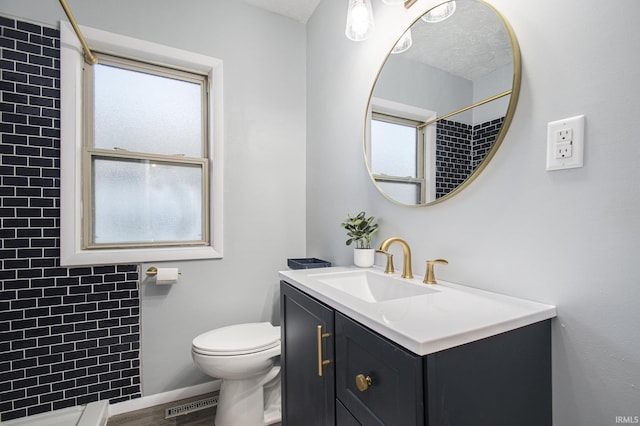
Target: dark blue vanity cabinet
[
  {"x": 369, "y": 380},
  {"x": 378, "y": 382},
  {"x": 308, "y": 395}
]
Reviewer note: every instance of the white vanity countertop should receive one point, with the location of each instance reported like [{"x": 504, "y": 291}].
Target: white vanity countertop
[{"x": 451, "y": 315}]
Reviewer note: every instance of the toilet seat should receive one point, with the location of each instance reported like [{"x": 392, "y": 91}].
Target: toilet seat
[{"x": 238, "y": 339}]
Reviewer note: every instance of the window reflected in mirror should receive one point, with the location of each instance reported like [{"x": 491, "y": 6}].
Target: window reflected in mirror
[{"x": 397, "y": 159}]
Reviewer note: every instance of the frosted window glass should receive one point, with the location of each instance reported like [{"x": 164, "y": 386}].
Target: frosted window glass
[
  {"x": 406, "y": 193},
  {"x": 143, "y": 112},
  {"x": 393, "y": 149},
  {"x": 143, "y": 201}
]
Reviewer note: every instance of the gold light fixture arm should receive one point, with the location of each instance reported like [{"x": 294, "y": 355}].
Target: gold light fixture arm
[
  {"x": 89, "y": 57},
  {"x": 482, "y": 102}
]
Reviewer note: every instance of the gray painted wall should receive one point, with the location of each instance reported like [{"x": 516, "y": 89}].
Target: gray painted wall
[
  {"x": 264, "y": 125},
  {"x": 491, "y": 84},
  {"x": 570, "y": 238},
  {"x": 423, "y": 86}
]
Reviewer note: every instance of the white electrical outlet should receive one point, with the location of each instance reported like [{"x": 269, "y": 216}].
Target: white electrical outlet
[
  {"x": 565, "y": 143},
  {"x": 564, "y": 150},
  {"x": 564, "y": 135}
]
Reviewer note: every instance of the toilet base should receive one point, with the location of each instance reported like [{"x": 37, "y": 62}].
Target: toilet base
[
  {"x": 243, "y": 402},
  {"x": 273, "y": 401}
]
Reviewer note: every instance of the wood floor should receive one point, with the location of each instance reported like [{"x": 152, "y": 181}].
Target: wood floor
[{"x": 154, "y": 416}]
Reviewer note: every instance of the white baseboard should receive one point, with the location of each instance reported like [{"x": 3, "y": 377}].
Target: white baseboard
[{"x": 163, "y": 398}]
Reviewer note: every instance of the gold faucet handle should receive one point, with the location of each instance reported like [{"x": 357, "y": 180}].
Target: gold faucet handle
[
  {"x": 389, "y": 267},
  {"x": 430, "y": 277}
]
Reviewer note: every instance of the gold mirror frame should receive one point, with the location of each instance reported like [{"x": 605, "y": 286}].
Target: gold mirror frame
[{"x": 514, "y": 94}]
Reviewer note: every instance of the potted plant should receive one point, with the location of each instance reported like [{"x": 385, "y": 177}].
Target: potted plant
[{"x": 360, "y": 228}]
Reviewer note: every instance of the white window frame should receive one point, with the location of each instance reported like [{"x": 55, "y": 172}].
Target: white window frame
[
  {"x": 409, "y": 112},
  {"x": 71, "y": 133},
  {"x": 419, "y": 157}
]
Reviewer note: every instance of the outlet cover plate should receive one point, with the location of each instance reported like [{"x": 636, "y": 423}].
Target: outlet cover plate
[{"x": 559, "y": 134}]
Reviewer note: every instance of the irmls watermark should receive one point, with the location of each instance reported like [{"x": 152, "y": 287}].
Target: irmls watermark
[{"x": 628, "y": 419}]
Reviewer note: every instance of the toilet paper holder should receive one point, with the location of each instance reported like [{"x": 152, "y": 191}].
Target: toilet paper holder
[{"x": 152, "y": 271}]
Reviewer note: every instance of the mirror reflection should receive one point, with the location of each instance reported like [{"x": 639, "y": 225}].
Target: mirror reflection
[{"x": 441, "y": 105}]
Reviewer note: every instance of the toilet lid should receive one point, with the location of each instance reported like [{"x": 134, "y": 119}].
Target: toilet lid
[{"x": 238, "y": 339}]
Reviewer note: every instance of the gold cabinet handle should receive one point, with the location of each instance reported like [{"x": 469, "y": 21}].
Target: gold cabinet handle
[
  {"x": 321, "y": 362},
  {"x": 363, "y": 382}
]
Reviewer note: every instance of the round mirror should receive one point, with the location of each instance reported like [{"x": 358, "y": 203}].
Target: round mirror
[{"x": 442, "y": 103}]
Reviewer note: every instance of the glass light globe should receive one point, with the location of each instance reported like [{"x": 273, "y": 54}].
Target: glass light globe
[
  {"x": 404, "y": 43},
  {"x": 440, "y": 13},
  {"x": 360, "y": 23}
]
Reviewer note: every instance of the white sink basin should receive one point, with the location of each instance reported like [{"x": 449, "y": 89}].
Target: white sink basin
[
  {"x": 422, "y": 318},
  {"x": 372, "y": 287}
]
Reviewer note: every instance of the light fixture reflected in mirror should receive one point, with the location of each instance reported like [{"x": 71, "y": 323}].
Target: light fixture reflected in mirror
[
  {"x": 440, "y": 13},
  {"x": 360, "y": 23},
  {"x": 404, "y": 43}
]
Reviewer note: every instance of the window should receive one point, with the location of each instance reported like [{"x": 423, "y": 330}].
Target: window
[
  {"x": 145, "y": 132},
  {"x": 141, "y": 157},
  {"x": 401, "y": 152},
  {"x": 397, "y": 157}
]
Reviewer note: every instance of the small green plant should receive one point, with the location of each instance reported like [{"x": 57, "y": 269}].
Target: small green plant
[{"x": 360, "y": 229}]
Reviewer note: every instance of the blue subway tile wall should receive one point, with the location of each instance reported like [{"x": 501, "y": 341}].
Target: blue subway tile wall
[
  {"x": 460, "y": 148},
  {"x": 484, "y": 136},
  {"x": 453, "y": 155},
  {"x": 68, "y": 336}
]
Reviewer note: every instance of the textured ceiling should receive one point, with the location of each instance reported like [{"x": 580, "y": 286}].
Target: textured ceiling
[{"x": 470, "y": 44}]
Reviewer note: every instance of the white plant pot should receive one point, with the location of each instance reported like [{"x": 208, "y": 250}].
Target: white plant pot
[{"x": 364, "y": 258}]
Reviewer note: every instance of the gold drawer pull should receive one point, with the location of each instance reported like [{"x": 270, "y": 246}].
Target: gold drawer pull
[
  {"x": 321, "y": 362},
  {"x": 363, "y": 382}
]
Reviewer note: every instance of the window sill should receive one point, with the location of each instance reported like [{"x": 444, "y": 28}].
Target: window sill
[{"x": 102, "y": 257}]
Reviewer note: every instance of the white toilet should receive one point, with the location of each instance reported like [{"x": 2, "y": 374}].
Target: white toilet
[{"x": 244, "y": 357}]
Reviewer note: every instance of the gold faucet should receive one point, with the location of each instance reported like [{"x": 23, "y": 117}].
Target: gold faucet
[
  {"x": 430, "y": 277},
  {"x": 406, "y": 251}
]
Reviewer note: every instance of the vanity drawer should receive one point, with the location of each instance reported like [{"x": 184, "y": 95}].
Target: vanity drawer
[
  {"x": 390, "y": 377},
  {"x": 343, "y": 416}
]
